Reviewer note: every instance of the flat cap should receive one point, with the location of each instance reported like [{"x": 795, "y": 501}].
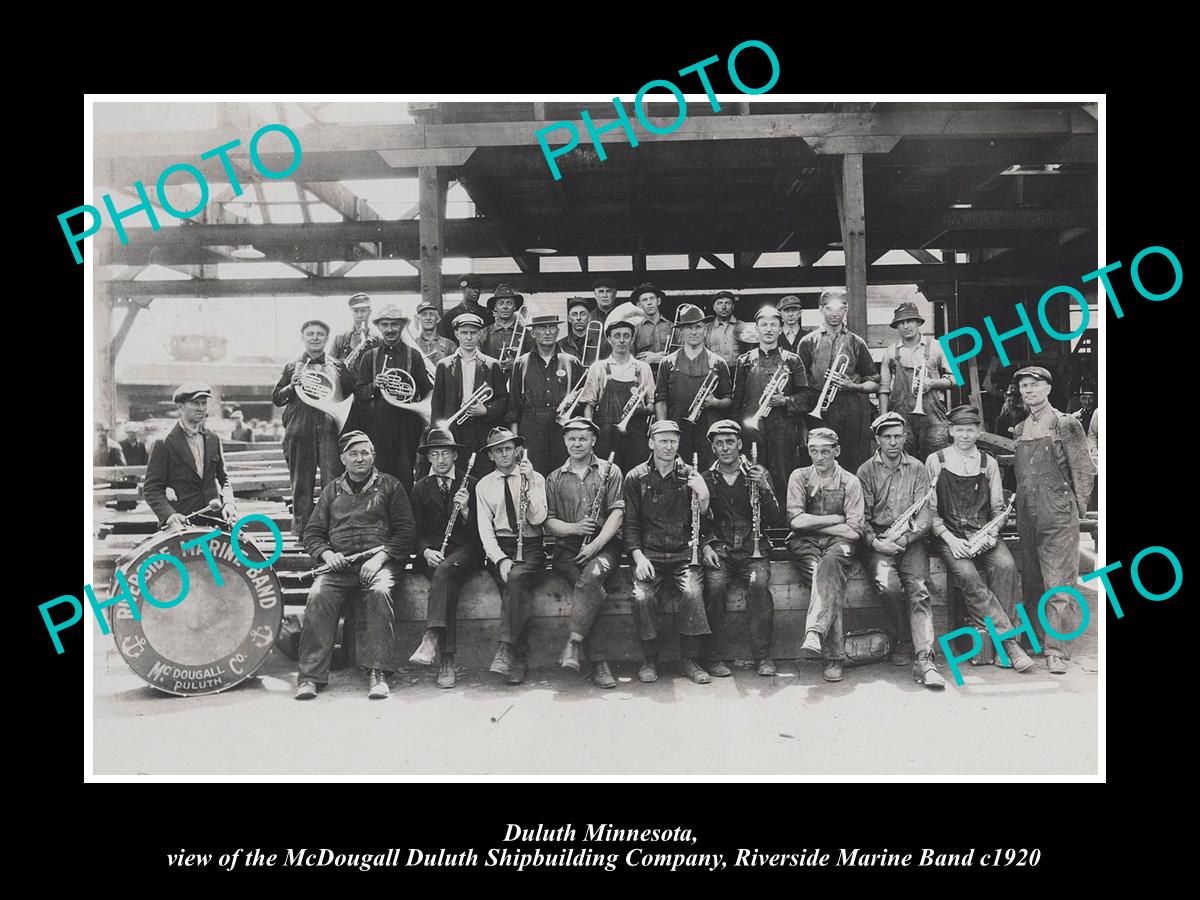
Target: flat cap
[
  {"x": 724, "y": 426},
  {"x": 471, "y": 280},
  {"x": 581, "y": 422},
  {"x": 304, "y": 327},
  {"x": 728, "y": 295},
  {"x": 766, "y": 312},
  {"x": 887, "y": 420},
  {"x": 646, "y": 288},
  {"x": 391, "y": 311},
  {"x": 191, "y": 390},
  {"x": 468, "y": 319},
  {"x": 666, "y": 426},
  {"x": 790, "y": 301},
  {"x": 1033, "y": 372},
  {"x": 586, "y": 302},
  {"x": 359, "y": 299},
  {"x": 350, "y": 438},
  {"x": 828, "y": 297},
  {"x": 965, "y": 415},
  {"x": 823, "y": 436},
  {"x": 605, "y": 281},
  {"x": 426, "y": 305}
]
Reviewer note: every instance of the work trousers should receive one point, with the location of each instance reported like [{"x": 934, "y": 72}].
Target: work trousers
[
  {"x": 588, "y": 595},
  {"x": 925, "y": 435},
  {"x": 516, "y": 596},
  {"x": 760, "y": 606},
  {"x": 325, "y": 600},
  {"x": 902, "y": 581},
  {"x": 445, "y": 582},
  {"x": 988, "y": 583},
  {"x": 304, "y": 453},
  {"x": 850, "y": 417},
  {"x": 543, "y": 440},
  {"x": 689, "y": 611},
  {"x": 823, "y": 563}
]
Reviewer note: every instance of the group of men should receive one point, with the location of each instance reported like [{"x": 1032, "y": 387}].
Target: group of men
[{"x": 687, "y": 530}]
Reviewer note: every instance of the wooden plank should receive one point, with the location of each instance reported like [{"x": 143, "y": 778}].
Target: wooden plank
[
  {"x": 104, "y": 370},
  {"x": 852, "y": 215},
  {"x": 976, "y": 394},
  {"x": 432, "y": 187}
]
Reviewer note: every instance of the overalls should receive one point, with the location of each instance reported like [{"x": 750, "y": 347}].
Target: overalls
[
  {"x": 686, "y": 377},
  {"x": 781, "y": 434},
  {"x": 823, "y": 562},
  {"x": 632, "y": 447},
  {"x": 926, "y": 433}
]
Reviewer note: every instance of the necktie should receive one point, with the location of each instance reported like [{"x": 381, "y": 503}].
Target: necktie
[
  {"x": 445, "y": 485},
  {"x": 509, "y": 506}
]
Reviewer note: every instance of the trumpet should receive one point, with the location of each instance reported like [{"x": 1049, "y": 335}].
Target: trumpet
[
  {"x": 901, "y": 524},
  {"x": 707, "y": 388},
  {"x": 834, "y": 379},
  {"x": 591, "y": 345},
  {"x": 918, "y": 386},
  {"x": 636, "y": 398},
  {"x": 318, "y": 389},
  {"x": 482, "y": 394},
  {"x": 755, "y": 501},
  {"x": 457, "y": 509},
  {"x": 399, "y": 388},
  {"x": 670, "y": 347},
  {"x": 977, "y": 541},
  {"x": 778, "y": 379},
  {"x": 512, "y": 349}
]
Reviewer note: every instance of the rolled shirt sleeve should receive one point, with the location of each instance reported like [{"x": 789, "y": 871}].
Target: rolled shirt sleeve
[
  {"x": 487, "y": 529},
  {"x": 796, "y": 498},
  {"x": 855, "y": 517}
]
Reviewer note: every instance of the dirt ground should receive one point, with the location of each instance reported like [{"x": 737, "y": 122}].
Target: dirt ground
[{"x": 875, "y": 722}]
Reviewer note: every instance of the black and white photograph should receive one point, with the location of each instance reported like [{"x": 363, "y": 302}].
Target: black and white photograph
[{"x": 745, "y": 436}]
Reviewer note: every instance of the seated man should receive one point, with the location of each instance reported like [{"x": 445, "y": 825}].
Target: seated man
[
  {"x": 443, "y": 493},
  {"x": 729, "y": 551},
  {"x": 586, "y": 549},
  {"x": 825, "y": 511},
  {"x": 363, "y": 510},
  {"x": 511, "y": 501},
  {"x": 658, "y": 531}
]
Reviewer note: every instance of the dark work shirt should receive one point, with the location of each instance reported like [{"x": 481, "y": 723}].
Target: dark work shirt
[
  {"x": 298, "y": 416},
  {"x": 537, "y": 385},
  {"x": 446, "y": 326},
  {"x": 755, "y": 369},
  {"x": 733, "y": 520},
  {"x": 658, "y": 512},
  {"x": 348, "y": 521}
]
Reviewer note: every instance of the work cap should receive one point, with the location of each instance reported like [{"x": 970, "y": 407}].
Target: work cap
[
  {"x": 965, "y": 415},
  {"x": 586, "y": 302},
  {"x": 350, "y": 438},
  {"x": 728, "y": 295},
  {"x": 790, "y": 301},
  {"x": 358, "y": 300},
  {"x": 472, "y": 281},
  {"x": 304, "y": 327},
  {"x": 468, "y": 319},
  {"x": 766, "y": 312},
  {"x": 1034, "y": 372},
  {"x": 581, "y": 422},
  {"x": 605, "y": 281},
  {"x": 906, "y": 311},
  {"x": 887, "y": 420},
  {"x": 666, "y": 426},
  {"x": 646, "y": 288},
  {"x": 498, "y": 436},
  {"x": 236, "y": 414},
  {"x": 191, "y": 390},
  {"x": 426, "y": 305},
  {"x": 391, "y": 311},
  {"x": 725, "y": 426},
  {"x": 131, "y": 427},
  {"x": 823, "y": 436},
  {"x": 828, "y": 297}
]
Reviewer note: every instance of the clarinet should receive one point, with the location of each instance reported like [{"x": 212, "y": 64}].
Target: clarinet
[
  {"x": 755, "y": 502},
  {"x": 522, "y": 511},
  {"x": 594, "y": 512},
  {"x": 325, "y": 568},
  {"x": 695, "y": 517},
  {"x": 457, "y": 509}
]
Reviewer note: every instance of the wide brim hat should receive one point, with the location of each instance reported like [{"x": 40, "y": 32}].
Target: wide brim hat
[
  {"x": 545, "y": 320},
  {"x": 690, "y": 314},
  {"x": 391, "y": 311},
  {"x": 504, "y": 292},
  {"x": 440, "y": 438},
  {"x": 498, "y": 436},
  {"x": 646, "y": 287},
  {"x": 906, "y": 311}
]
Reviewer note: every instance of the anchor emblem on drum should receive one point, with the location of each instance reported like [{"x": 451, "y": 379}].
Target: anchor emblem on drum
[
  {"x": 261, "y": 635},
  {"x": 133, "y": 646}
]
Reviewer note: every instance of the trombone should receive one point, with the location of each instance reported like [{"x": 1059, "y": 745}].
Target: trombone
[
  {"x": 834, "y": 379},
  {"x": 670, "y": 348},
  {"x": 591, "y": 344},
  {"x": 482, "y": 394},
  {"x": 516, "y": 340}
]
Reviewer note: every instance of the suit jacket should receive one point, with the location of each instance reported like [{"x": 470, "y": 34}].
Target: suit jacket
[
  {"x": 448, "y": 390},
  {"x": 172, "y": 466},
  {"x": 431, "y": 509}
]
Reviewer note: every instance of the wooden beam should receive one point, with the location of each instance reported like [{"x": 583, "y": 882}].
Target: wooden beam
[
  {"x": 583, "y": 263},
  {"x": 432, "y": 187},
  {"x": 131, "y": 314},
  {"x": 716, "y": 262},
  {"x": 848, "y": 191},
  {"x": 924, "y": 256},
  {"x": 104, "y": 400}
]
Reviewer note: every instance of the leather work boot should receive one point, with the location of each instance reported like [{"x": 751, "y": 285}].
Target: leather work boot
[
  {"x": 766, "y": 668},
  {"x": 833, "y": 670},
  {"x": 306, "y": 690},
  {"x": 1017, "y": 657},
  {"x": 570, "y": 655},
  {"x": 902, "y": 654},
  {"x": 446, "y": 675},
  {"x": 518, "y": 669},
  {"x": 648, "y": 672},
  {"x": 503, "y": 659},
  {"x": 811, "y": 648},
  {"x": 379, "y": 686},
  {"x": 428, "y": 651},
  {"x": 692, "y": 670},
  {"x": 925, "y": 671},
  {"x": 1056, "y": 664},
  {"x": 718, "y": 669},
  {"x": 602, "y": 676}
]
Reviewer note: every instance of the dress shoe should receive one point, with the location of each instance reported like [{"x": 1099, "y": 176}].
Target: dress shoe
[
  {"x": 1017, "y": 657},
  {"x": 570, "y": 656},
  {"x": 306, "y": 690},
  {"x": 811, "y": 648},
  {"x": 718, "y": 669},
  {"x": 1056, "y": 664},
  {"x": 428, "y": 651},
  {"x": 833, "y": 670},
  {"x": 692, "y": 670},
  {"x": 446, "y": 676},
  {"x": 925, "y": 671},
  {"x": 602, "y": 676},
  {"x": 503, "y": 659},
  {"x": 379, "y": 686},
  {"x": 902, "y": 654},
  {"x": 649, "y": 671},
  {"x": 518, "y": 669},
  {"x": 766, "y": 668}
]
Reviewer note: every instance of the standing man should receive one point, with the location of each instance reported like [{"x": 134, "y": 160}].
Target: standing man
[
  {"x": 310, "y": 436},
  {"x": 432, "y": 346},
  {"x": 134, "y": 449},
  {"x": 1012, "y": 412},
  {"x": 680, "y": 377},
  {"x": 891, "y": 482},
  {"x": 728, "y": 551},
  {"x": 969, "y": 495},
  {"x": 781, "y": 433},
  {"x": 458, "y": 376},
  {"x": 850, "y": 413},
  {"x": 586, "y": 550},
  {"x": 471, "y": 285},
  {"x": 1054, "y": 480},
  {"x": 363, "y": 509},
  {"x": 360, "y": 332},
  {"x": 604, "y": 289},
  {"x": 658, "y": 538},
  {"x": 825, "y": 511},
  {"x": 540, "y": 379},
  {"x": 579, "y": 313},
  {"x": 106, "y": 451},
  {"x": 654, "y": 333},
  {"x": 499, "y": 501},
  {"x": 434, "y": 500},
  {"x": 188, "y": 462},
  {"x": 501, "y": 332},
  {"x": 926, "y": 433},
  {"x": 394, "y": 432},
  {"x": 241, "y": 431},
  {"x": 722, "y": 338},
  {"x": 790, "y": 308},
  {"x": 606, "y": 392}
]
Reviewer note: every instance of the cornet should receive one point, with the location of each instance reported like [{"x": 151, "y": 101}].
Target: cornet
[
  {"x": 670, "y": 348},
  {"x": 834, "y": 379},
  {"x": 591, "y": 345},
  {"x": 482, "y": 394},
  {"x": 320, "y": 390},
  {"x": 778, "y": 379},
  {"x": 707, "y": 388},
  {"x": 516, "y": 340},
  {"x": 918, "y": 386},
  {"x": 399, "y": 388},
  {"x": 636, "y": 398}
]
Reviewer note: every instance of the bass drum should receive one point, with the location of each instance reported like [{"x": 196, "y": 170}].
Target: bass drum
[{"x": 218, "y": 635}]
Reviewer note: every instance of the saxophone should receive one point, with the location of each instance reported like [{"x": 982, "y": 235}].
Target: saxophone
[
  {"x": 901, "y": 524},
  {"x": 977, "y": 541}
]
